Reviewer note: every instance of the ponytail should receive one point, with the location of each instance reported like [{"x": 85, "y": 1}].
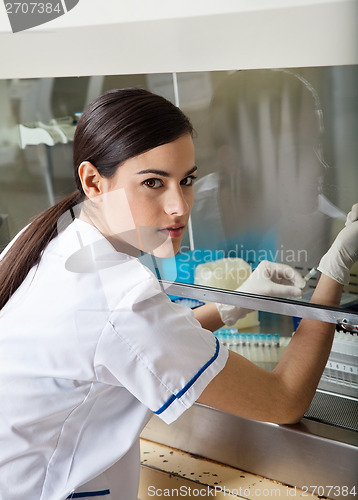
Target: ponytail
[
  {"x": 27, "y": 249},
  {"x": 118, "y": 125}
]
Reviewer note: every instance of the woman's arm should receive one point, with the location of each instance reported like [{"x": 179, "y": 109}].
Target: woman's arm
[
  {"x": 208, "y": 316},
  {"x": 283, "y": 395}
]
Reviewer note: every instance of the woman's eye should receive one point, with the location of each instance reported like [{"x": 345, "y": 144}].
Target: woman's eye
[
  {"x": 153, "y": 183},
  {"x": 188, "y": 181}
]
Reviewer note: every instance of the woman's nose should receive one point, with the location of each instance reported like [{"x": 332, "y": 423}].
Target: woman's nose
[{"x": 176, "y": 203}]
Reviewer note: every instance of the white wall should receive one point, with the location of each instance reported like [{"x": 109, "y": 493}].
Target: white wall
[{"x": 159, "y": 36}]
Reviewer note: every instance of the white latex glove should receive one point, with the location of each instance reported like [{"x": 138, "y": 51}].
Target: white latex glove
[
  {"x": 339, "y": 259},
  {"x": 352, "y": 215},
  {"x": 269, "y": 278}
]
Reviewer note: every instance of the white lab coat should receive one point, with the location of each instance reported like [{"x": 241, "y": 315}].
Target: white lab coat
[{"x": 90, "y": 346}]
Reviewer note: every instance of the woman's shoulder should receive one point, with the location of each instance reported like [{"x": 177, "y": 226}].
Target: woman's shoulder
[{"x": 85, "y": 251}]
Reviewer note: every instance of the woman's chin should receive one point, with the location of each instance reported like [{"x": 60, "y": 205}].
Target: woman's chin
[{"x": 168, "y": 248}]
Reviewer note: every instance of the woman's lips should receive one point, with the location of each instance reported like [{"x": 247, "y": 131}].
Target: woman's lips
[{"x": 175, "y": 231}]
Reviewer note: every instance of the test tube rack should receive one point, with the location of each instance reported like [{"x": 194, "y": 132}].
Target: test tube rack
[{"x": 263, "y": 349}]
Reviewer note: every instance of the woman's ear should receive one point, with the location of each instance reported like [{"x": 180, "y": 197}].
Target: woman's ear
[{"x": 90, "y": 179}]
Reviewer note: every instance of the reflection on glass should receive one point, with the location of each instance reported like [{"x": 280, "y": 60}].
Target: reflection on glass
[
  {"x": 271, "y": 168},
  {"x": 277, "y": 156},
  {"x": 276, "y": 151},
  {"x": 37, "y": 171}
]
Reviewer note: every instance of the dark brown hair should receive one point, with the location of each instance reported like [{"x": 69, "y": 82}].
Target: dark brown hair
[{"x": 118, "y": 125}]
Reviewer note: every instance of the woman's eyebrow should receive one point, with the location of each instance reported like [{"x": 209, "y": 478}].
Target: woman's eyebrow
[
  {"x": 191, "y": 171},
  {"x": 163, "y": 173}
]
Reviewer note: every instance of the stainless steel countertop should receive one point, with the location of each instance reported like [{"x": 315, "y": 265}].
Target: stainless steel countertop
[{"x": 305, "y": 454}]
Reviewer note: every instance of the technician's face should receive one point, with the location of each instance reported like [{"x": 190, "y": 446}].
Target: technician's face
[{"x": 151, "y": 196}]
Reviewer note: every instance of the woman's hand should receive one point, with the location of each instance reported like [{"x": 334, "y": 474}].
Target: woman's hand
[
  {"x": 269, "y": 278},
  {"x": 339, "y": 259}
]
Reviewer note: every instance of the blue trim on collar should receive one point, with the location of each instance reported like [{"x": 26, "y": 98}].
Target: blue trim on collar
[
  {"x": 87, "y": 494},
  {"x": 191, "y": 382}
]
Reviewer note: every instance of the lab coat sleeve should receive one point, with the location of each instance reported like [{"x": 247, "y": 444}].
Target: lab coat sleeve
[{"x": 158, "y": 351}]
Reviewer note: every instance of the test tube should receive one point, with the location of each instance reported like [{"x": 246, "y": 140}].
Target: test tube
[{"x": 276, "y": 347}]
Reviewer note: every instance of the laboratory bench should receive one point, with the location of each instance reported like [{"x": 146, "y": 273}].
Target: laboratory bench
[
  {"x": 317, "y": 455},
  {"x": 308, "y": 456},
  {"x": 168, "y": 472}
]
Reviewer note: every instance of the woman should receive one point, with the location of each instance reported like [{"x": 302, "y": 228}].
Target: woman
[{"x": 90, "y": 343}]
